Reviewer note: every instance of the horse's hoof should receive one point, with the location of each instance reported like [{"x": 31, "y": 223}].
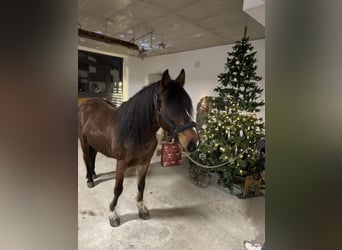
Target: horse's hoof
[
  {"x": 114, "y": 222},
  {"x": 90, "y": 184},
  {"x": 145, "y": 215}
]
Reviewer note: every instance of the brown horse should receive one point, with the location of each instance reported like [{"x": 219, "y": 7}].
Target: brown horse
[{"x": 128, "y": 133}]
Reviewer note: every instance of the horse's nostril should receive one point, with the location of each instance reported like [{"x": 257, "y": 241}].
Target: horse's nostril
[{"x": 191, "y": 146}]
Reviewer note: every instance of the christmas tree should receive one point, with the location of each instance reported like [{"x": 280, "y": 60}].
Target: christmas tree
[
  {"x": 232, "y": 129},
  {"x": 239, "y": 82}
]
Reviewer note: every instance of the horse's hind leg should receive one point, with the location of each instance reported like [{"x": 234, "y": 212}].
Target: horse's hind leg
[
  {"x": 121, "y": 166},
  {"x": 141, "y": 174},
  {"x": 89, "y": 155},
  {"x": 92, "y": 155}
]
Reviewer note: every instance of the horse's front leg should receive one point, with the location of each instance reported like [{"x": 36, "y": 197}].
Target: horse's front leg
[
  {"x": 114, "y": 219},
  {"x": 141, "y": 174}
]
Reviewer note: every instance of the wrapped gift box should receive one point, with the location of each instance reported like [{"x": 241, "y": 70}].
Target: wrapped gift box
[{"x": 171, "y": 154}]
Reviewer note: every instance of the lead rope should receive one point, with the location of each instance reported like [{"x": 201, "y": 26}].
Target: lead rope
[
  {"x": 208, "y": 175},
  {"x": 230, "y": 161}
]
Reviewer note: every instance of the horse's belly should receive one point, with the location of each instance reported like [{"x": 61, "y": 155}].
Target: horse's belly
[{"x": 102, "y": 144}]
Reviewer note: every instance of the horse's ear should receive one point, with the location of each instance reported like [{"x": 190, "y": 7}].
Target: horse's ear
[
  {"x": 165, "y": 78},
  {"x": 181, "y": 78}
]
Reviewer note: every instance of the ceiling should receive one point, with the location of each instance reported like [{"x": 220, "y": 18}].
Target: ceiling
[{"x": 163, "y": 26}]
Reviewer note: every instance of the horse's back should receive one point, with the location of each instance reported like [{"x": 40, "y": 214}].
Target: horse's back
[
  {"x": 95, "y": 108},
  {"x": 95, "y": 102}
]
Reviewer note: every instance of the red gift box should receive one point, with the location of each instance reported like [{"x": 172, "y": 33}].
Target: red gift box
[{"x": 170, "y": 155}]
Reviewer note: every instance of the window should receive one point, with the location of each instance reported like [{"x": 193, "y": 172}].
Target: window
[{"x": 100, "y": 76}]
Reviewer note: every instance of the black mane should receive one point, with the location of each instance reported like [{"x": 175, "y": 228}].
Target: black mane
[{"x": 135, "y": 116}]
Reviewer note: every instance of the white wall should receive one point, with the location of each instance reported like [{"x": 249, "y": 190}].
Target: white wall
[
  {"x": 134, "y": 74},
  {"x": 201, "y": 69}
]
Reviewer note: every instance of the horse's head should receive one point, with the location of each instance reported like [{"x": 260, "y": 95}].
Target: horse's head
[{"x": 174, "y": 111}]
